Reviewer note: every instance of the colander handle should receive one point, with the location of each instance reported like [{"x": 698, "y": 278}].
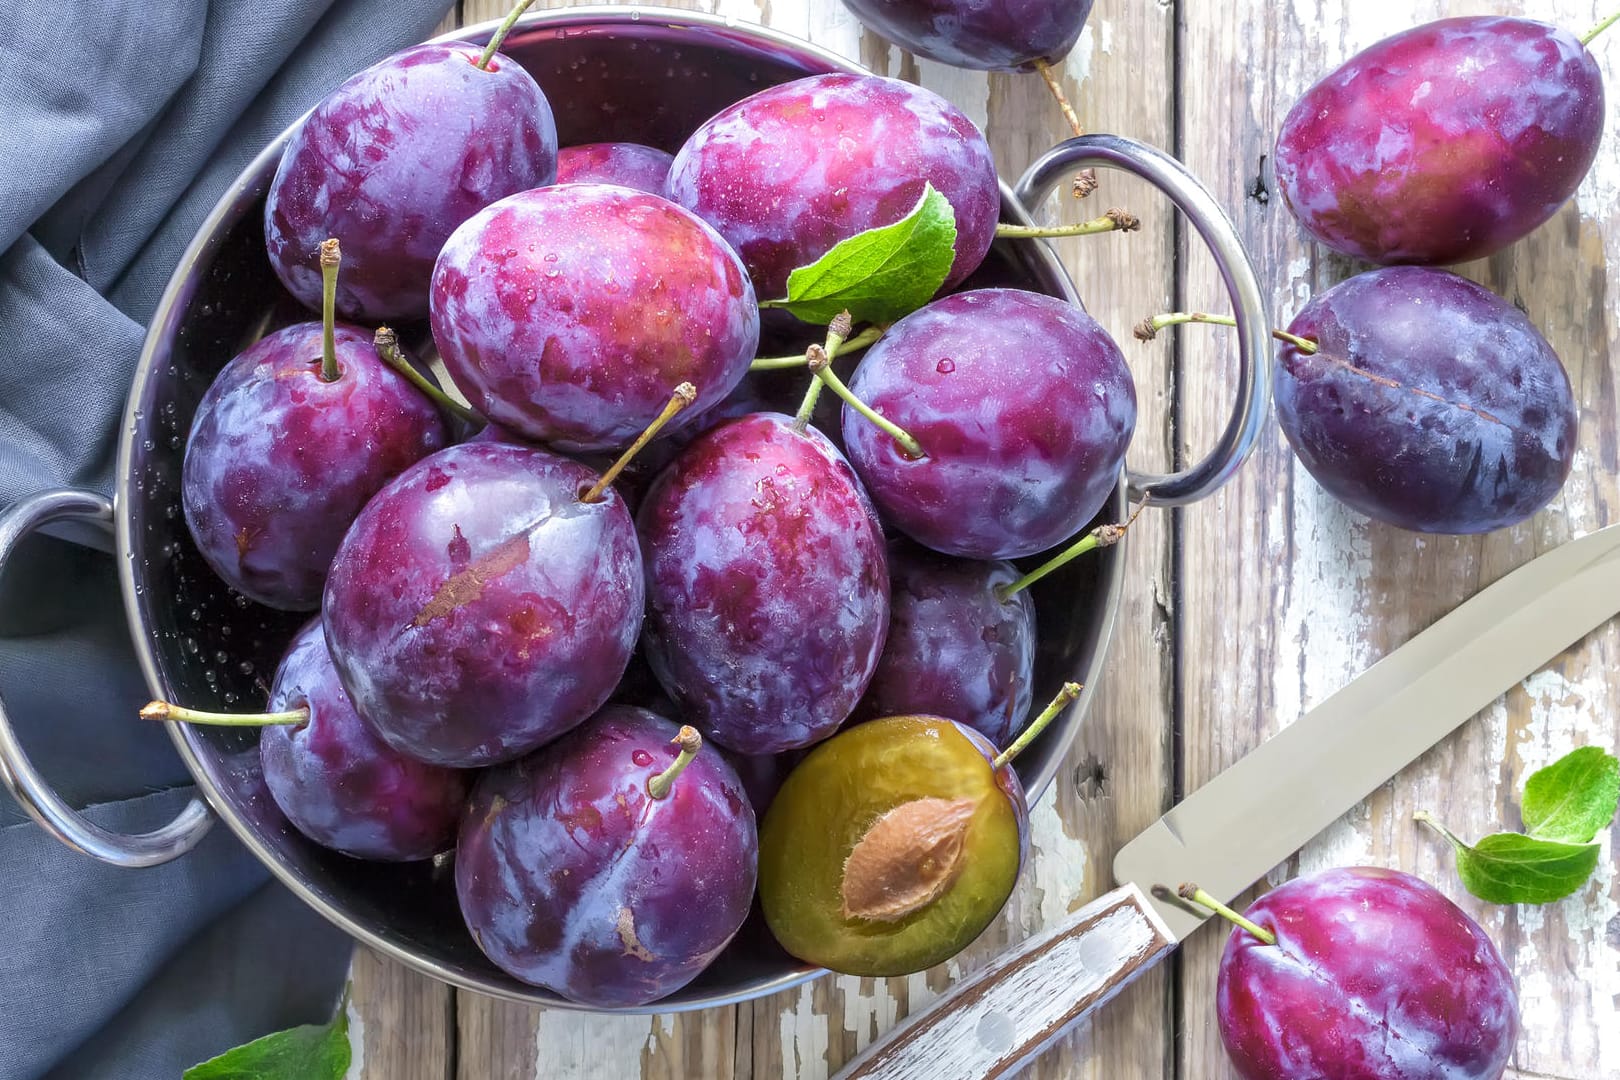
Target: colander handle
[
  {"x": 18, "y": 774},
  {"x": 1253, "y": 320}
]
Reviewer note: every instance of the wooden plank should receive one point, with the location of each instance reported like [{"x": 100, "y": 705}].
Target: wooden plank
[
  {"x": 1289, "y": 595},
  {"x": 401, "y": 1023}
]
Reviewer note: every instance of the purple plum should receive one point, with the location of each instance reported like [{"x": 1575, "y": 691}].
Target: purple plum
[
  {"x": 576, "y": 872},
  {"x": 628, "y": 165},
  {"x": 279, "y": 461},
  {"x": 392, "y": 161},
  {"x": 1431, "y": 403},
  {"x": 1023, "y": 407},
  {"x": 955, "y": 648},
  {"x": 1375, "y": 976},
  {"x": 984, "y": 35},
  {"x": 1444, "y": 143},
  {"x": 786, "y": 174},
  {"x": 767, "y": 586},
  {"x": 480, "y": 608},
  {"x": 570, "y": 314},
  {"x": 337, "y": 782}
]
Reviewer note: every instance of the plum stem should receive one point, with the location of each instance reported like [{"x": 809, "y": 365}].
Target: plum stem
[
  {"x": 1100, "y": 537},
  {"x": 1115, "y": 220},
  {"x": 1148, "y": 329},
  {"x": 1189, "y": 891},
  {"x": 855, "y": 344},
  {"x": 1586, "y": 38},
  {"x": 690, "y": 743},
  {"x": 821, "y": 366},
  {"x": 330, "y": 258},
  {"x": 386, "y": 343},
  {"x": 837, "y": 331},
  {"x": 684, "y": 395},
  {"x": 501, "y": 31},
  {"x": 162, "y": 710},
  {"x": 1085, "y": 181},
  {"x": 1064, "y": 698}
]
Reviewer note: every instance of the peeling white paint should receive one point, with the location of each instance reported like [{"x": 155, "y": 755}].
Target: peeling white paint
[
  {"x": 357, "y": 1042},
  {"x": 1077, "y": 65},
  {"x": 804, "y": 1039},
  {"x": 1057, "y": 861},
  {"x": 595, "y": 1046}
]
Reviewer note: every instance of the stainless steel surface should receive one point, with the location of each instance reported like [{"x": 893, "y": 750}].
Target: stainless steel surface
[
  {"x": 1254, "y": 320},
  {"x": 1228, "y": 833},
  {"x": 649, "y": 75},
  {"x": 18, "y": 774}
]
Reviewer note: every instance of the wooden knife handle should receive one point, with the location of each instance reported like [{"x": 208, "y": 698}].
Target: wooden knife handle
[{"x": 996, "y": 1021}]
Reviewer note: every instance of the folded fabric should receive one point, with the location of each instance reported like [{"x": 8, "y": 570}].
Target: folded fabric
[{"x": 120, "y": 126}]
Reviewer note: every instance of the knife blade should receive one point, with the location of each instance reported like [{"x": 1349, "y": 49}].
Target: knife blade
[{"x": 1255, "y": 814}]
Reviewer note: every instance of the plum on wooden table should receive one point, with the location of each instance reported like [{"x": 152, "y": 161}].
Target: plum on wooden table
[
  {"x": 1444, "y": 143},
  {"x": 1430, "y": 403},
  {"x": 1374, "y": 975}
]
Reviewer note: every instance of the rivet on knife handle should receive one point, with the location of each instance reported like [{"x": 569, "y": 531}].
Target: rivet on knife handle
[{"x": 994, "y": 1022}]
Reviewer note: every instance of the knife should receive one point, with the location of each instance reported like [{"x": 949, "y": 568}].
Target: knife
[{"x": 1230, "y": 832}]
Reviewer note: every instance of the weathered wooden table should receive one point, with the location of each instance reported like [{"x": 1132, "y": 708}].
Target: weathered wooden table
[{"x": 1241, "y": 612}]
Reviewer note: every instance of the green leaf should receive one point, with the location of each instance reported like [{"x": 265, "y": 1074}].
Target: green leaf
[
  {"x": 311, "y": 1052},
  {"x": 882, "y": 274},
  {"x": 1507, "y": 868},
  {"x": 1574, "y": 798}
]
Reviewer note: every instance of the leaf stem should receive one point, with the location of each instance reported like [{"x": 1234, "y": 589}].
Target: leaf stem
[
  {"x": 162, "y": 710},
  {"x": 1586, "y": 38},
  {"x": 330, "y": 258},
  {"x": 690, "y": 742},
  {"x": 1100, "y": 537},
  {"x": 776, "y": 363},
  {"x": 1148, "y": 329},
  {"x": 1115, "y": 220},
  {"x": 1426, "y": 818},
  {"x": 501, "y": 31},
  {"x": 1189, "y": 891},
  {"x": 1064, "y": 698},
  {"x": 386, "y": 342},
  {"x": 684, "y": 395}
]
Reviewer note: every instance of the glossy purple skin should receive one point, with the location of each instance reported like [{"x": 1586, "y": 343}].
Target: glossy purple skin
[
  {"x": 478, "y": 609},
  {"x": 767, "y": 585},
  {"x": 786, "y": 174},
  {"x": 572, "y": 877},
  {"x": 1444, "y": 143},
  {"x": 570, "y": 314},
  {"x": 392, "y": 161},
  {"x": 1023, "y": 406},
  {"x": 338, "y": 783},
  {"x": 954, "y": 649},
  {"x": 1375, "y": 976},
  {"x": 279, "y": 462},
  {"x": 983, "y": 35},
  {"x": 1481, "y": 431},
  {"x": 628, "y": 165}
]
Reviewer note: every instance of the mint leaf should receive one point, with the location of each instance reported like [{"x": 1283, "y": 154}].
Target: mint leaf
[
  {"x": 882, "y": 274},
  {"x": 1574, "y": 798},
  {"x": 1565, "y": 805},
  {"x": 1508, "y": 868},
  {"x": 311, "y": 1052}
]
